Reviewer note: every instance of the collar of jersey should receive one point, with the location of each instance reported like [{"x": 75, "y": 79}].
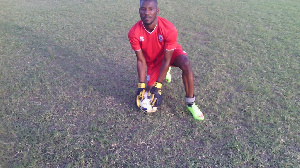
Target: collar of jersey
[{"x": 147, "y": 30}]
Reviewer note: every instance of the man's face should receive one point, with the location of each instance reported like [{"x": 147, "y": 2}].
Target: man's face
[{"x": 148, "y": 12}]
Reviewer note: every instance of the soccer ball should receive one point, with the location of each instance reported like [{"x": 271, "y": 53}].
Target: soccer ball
[{"x": 146, "y": 106}]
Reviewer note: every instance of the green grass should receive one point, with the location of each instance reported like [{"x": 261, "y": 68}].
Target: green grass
[{"x": 68, "y": 80}]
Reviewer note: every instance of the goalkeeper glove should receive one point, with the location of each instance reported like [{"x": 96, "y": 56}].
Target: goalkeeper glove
[
  {"x": 140, "y": 93},
  {"x": 156, "y": 97}
]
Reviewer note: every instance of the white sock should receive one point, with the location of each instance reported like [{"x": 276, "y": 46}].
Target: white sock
[{"x": 190, "y": 100}]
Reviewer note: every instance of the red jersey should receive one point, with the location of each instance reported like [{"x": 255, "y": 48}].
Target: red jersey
[{"x": 153, "y": 44}]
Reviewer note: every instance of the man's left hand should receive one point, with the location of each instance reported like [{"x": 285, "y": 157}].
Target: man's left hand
[{"x": 156, "y": 97}]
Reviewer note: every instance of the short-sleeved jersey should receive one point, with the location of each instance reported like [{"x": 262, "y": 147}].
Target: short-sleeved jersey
[{"x": 153, "y": 44}]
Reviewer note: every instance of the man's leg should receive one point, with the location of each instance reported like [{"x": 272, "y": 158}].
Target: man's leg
[
  {"x": 184, "y": 64},
  {"x": 169, "y": 76}
]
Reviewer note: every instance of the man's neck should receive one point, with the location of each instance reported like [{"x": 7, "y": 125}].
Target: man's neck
[{"x": 151, "y": 27}]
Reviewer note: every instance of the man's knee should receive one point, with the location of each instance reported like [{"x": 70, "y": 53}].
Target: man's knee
[{"x": 185, "y": 64}]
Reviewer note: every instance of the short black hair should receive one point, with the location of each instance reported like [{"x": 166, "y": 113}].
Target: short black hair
[{"x": 155, "y": 1}]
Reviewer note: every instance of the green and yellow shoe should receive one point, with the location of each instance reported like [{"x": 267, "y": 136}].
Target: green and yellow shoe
[
  {"x": 197, "y": 114},
  {"x": 168, "y": 76}
]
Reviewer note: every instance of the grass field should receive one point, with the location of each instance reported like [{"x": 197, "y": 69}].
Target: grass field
[{"x": 68, "y": 80}]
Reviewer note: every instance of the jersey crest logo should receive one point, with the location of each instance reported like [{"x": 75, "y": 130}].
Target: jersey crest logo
[
  {"x": 142, "y": 38},
  {"x": 160, "y": 38}
]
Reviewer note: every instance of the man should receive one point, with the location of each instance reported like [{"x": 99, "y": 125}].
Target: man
[{"x": 154, "y": 40}]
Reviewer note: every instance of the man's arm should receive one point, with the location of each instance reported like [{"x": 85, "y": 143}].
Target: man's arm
[
  {"x": 156, "y": 98},
  {"x": 141, "y": 66},
  {"x": 165, "y": 65}
]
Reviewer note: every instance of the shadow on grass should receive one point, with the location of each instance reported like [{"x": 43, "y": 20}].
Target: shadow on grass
[{"x": 85, "y": 68}]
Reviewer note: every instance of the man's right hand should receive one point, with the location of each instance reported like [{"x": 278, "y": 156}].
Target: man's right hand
[{"x": 140, "y": 93}]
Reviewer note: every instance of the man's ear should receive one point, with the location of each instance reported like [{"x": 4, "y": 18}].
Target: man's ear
[{"x": 157, "y": 10}]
